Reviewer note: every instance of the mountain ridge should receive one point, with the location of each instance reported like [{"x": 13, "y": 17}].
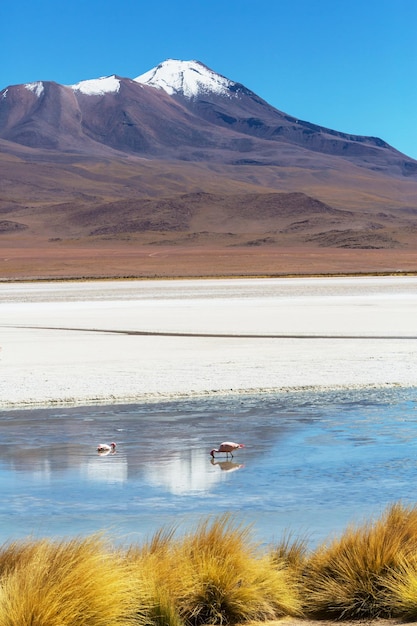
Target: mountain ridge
[
  {"x": 179, "y": 110},
  {"x": 182, "y": 158}
]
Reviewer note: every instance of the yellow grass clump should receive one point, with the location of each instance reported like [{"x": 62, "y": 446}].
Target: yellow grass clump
[
  {"x": 363, "y": 573},
  {"x": 68, "y": 583},
  {"x": 230, "y": 580},
  {"x": 215, "y": 576}
]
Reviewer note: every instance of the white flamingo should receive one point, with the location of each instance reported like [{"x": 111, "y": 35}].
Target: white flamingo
[{"x": 104, "y": 447}]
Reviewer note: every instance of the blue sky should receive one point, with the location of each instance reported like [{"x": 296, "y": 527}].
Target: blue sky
[{"x": 350, "y": 65}]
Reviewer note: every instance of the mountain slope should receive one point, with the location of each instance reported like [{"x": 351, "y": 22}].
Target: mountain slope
[{"x": 182, "y": 159}]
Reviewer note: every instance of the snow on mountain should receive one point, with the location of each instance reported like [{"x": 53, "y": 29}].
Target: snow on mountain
[
  {"x": 98, "y": 86},
  {"x": 37, "y": 88},
  {"x": 187, "y": 78}
]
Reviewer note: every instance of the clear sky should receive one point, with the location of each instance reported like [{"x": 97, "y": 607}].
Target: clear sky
[{"x": 350, "y": 65}]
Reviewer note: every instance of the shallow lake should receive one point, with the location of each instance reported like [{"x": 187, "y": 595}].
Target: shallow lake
[{"x": 312, "y": 464}]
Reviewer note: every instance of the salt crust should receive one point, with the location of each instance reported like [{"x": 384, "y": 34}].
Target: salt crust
[{"x": 77, "y": 343}]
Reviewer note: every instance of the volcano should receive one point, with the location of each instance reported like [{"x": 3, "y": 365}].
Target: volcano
[{"x": 183, "y": 158}]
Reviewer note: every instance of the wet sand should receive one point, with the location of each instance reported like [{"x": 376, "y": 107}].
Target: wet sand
[{"x": 128, "y": 341}]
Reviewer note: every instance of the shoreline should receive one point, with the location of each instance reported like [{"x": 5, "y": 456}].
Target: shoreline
[
  {"x": 220, "y": 394},
  {"x": 184, "y": 397}
]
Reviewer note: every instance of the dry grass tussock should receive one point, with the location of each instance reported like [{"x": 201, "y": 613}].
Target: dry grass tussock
[
  {"x": 370, "y": 572},
  {"x": 215, "y": 575},
  {"x": 80, "y": 582}
]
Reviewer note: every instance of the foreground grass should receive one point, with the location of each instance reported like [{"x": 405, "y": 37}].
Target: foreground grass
[
  {"x": 74, "y": 582},
  {"x": 370, "y": 572},
  {"x": 214, "y": 575}
]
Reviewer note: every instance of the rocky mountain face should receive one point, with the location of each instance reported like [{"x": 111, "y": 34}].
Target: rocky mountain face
[{"x": 182, "y": 154}]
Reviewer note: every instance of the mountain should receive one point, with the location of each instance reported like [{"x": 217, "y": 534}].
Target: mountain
[
  {"x": 180, "y": 156},
  {"x": 181, "y": 110}
]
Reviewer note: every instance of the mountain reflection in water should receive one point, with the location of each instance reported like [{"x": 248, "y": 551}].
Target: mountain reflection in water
[{"x": 312, "y": 464}]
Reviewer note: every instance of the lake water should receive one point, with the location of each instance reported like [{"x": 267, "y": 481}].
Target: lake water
[{"x": 313, "y": 463}]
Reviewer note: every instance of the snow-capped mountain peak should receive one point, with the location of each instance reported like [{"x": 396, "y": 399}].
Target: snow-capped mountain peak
[
  {"x": 98, "y": 86},
  {"x": 187, "y": 78}
]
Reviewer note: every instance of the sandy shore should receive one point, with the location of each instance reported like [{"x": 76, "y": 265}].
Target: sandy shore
[{"x": 127, "y": 341}]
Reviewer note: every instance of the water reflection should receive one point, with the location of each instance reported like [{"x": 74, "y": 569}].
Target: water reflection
[
  {"x": 315, "y": 462},
  {"x": 187, "y": 473},
  {"x": 41, "y": 471},
  {"x": 227, "y": 466},
  {"x": 100, "y": 470}
]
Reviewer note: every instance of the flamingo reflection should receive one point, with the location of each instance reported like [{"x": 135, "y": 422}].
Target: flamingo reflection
[{"x": 227, "y": 466}]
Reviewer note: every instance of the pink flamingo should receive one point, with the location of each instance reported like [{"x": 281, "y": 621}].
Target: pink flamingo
[
  {"x": 227, "y": 447},
  {"x": 104, "y": 447}
]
